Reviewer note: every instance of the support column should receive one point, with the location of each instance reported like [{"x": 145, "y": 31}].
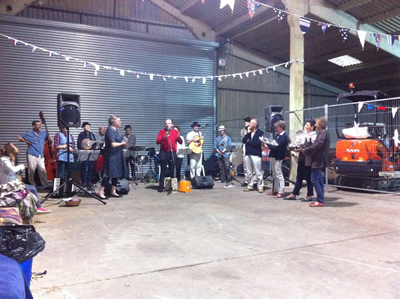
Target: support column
[{"x": 296, "y": 90}]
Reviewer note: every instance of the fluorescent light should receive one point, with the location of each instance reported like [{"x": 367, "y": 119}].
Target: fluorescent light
[{"x": 345, "y": 60}]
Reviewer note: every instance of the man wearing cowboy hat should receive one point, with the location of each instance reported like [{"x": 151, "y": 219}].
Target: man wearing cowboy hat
[
  {"x": 221, "y": 145},
  {"x": 86, "y": 166},
  {"x": 195, "y": 159},
  {"x": 130, "y": 140}
]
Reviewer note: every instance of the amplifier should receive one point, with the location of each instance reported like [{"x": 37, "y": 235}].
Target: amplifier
[{"x": 202, "y": 182}]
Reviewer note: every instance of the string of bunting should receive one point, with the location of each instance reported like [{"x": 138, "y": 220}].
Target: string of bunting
[
  {"x": 151, "y": 76},
  {"x": 378, "y": 108},
  {"x": 305, "y": 23}
]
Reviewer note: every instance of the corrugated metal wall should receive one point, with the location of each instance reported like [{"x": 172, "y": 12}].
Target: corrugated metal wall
[{"x": 30, "y": 82}]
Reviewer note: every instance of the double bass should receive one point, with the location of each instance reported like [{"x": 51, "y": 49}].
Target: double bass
[{"x": 49, "y": 153}]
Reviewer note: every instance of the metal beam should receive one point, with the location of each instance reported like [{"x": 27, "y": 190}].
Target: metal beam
[
  {"x": 359, "y": 67},
  {"x": 13, "y": 7},
  {"x": 188, "y": 5},
  {"x": 228, "y": 26},
  {"x": 352, "y": 4},
  {"x": 200, "y": 30},
  {"x": 394, "y": 75},
  {"x": 316, "y": 40},
  {"x": 331, "y": 15},
  {"x": 381, "y": 17},
  {"x": 255, "y": 27},
  {"x": 269, "y": 38}
]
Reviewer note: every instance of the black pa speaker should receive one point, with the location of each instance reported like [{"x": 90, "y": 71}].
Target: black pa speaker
[
  {"x": 68, "y": 110},
  {"x": 202, "y": 182},
  {"x": 123, "y": 186},
  {"x": 273, "y": 114}
]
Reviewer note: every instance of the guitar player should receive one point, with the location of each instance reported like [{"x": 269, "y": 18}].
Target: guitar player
[
  {"x": 86, "y": 166},
  {"x": 195, "y": 140}
]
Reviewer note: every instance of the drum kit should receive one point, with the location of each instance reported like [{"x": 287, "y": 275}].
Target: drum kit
[{"x": 141, "y": 160}]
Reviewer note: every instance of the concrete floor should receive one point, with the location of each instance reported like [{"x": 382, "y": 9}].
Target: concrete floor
[{"x": 221, "y": 243}]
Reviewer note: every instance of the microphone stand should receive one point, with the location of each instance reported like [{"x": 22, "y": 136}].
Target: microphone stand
[{"x": 172, "y": 152}]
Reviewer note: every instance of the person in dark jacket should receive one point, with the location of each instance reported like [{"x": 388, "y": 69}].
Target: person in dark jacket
[
  {"x": 254, "y": 156},
  {"x": 86, "y": 166},
  {"x": 319, "y": 152},
  {"x": 304, "y": 163},
  {"x": 277, "y": 154}
]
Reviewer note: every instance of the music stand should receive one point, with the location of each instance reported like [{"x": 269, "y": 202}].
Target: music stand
[
  {"x": 230, "y": 150},
  {"x": 69, "y": 180}
]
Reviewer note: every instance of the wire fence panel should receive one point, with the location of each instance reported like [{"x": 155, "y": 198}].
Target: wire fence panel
[{"x": 364, "y": 147}]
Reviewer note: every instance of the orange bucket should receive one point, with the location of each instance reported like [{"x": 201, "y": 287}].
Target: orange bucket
[{"x": 184, "y": 186}]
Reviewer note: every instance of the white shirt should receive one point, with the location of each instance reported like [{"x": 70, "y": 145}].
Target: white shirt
[
  {"x": 192, "y": 135},
  {"x": 180, "y": 146},
  {"x": 8, "y": 170}
]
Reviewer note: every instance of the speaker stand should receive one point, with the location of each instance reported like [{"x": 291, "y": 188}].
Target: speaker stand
[{"x": 69, "y": 180}]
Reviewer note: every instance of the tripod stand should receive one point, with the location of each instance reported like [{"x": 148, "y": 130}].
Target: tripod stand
[
  {"x": 151, "y": 175},
  {"x": 69, "y": 181}
]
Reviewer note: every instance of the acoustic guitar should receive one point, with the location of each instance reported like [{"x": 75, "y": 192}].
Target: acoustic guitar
[
  {"x": 196, "y": 146},
  {"x": 49, "y": 153}
]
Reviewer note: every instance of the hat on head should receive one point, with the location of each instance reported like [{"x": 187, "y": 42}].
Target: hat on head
[
  {"x": 128, "y": 127},
  {"x": 221, "y": 128},
  {"x": 248, "y": 119},
  {"x": 85, "y": 124},
  {"x": 195, "y": 123}
]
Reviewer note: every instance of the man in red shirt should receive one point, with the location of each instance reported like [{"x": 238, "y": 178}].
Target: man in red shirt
[{"x": 167, "y": 139}]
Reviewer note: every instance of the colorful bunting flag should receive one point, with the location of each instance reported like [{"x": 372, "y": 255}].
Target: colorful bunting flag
[
  {"x": 252, "y": 6},
  {"x": 361, "y": 36},
  {"x": 151, "y": 76},
  {"x": 50, "y": 54},
  {"x": 370, "y": 106},
  {"x": 390, "y": 38},
  {"x": 231, "y": 4},
  {"x": 15, "y": 42},
  {"x": 163, "y": 77},
  {"x": 85, "y": 65},
  {"x": 204, "y": 80},
  {"x": 304, "y": 24},
  {"x": 381, "y": 108},
  {"x": 280, "y": 13},
  {"x": 122, "y": 73},
  {"x": 345, "y": 33},
  {"x": 378, "y": 39},
  {"x": 324, "y": 26},
  {"x": 137, "y": 76},
  {"x": 33, "y": 49}
]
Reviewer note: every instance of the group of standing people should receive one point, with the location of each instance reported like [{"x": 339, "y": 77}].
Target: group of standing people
[{"x": 313, "y": 157}]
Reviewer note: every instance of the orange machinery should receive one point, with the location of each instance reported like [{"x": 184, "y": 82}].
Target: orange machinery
[{"x": 360, "y": 159}]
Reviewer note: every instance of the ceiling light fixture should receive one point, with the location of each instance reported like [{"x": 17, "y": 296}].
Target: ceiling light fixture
[{"x": 345, "y": 61}]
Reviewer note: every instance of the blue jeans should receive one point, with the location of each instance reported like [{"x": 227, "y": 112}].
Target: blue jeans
[{"x": 318, "y": 182}]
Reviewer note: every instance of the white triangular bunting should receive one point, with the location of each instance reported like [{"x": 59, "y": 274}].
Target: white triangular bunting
[
  {"x": 361, "y": 36},
  {"x": 231, "y": 4},
  {"x": 360, "y": 105},
  {"x": 394, "y": 110}
]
